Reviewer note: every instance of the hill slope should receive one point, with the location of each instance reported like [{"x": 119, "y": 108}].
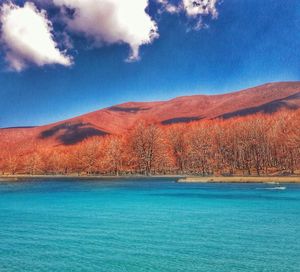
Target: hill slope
[{"x": 267, "y": 98}]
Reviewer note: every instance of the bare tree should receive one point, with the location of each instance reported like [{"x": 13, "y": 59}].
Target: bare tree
[
  {"x": 114, "y": 154},
  {"x": 146, "y": 146},
  {"x": 179, "y": 147}
]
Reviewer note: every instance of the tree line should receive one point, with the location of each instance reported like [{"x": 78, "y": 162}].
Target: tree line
[{"x": 253, "y": 145}]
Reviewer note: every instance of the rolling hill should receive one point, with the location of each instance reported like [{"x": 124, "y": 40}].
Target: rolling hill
[{"x": 267, "y": 99}]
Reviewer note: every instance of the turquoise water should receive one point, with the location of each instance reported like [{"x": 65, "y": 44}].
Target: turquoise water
[{"x": 142, "y": 225}]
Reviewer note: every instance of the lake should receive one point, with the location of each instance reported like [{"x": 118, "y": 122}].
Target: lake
[{"x": 148, "y": 225}]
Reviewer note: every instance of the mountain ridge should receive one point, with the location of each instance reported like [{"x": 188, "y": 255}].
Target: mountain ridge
[{"x": 117, "y": 119}]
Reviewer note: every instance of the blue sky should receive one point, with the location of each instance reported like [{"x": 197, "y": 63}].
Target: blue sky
[{"x": 251, "y": 42}]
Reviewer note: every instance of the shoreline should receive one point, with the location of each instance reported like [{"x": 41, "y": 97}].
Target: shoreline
[
  {"x": 241, "y": 179},
  {"x": 178, "y": 178},
  {"x": 85, "y": 177}
]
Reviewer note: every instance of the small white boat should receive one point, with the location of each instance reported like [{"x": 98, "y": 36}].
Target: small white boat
[{"x": 277, "y": 188}]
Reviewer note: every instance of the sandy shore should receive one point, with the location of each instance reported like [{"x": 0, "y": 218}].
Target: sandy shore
[{"x": 269, "y": 179}]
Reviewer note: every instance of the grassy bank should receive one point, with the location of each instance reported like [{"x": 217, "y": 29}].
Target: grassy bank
[
  {"x": 179, "y": 178},
  {"x": 85, "y": 177}
]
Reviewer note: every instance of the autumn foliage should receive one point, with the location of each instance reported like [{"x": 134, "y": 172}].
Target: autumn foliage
[{"x": 254, "y": 145}]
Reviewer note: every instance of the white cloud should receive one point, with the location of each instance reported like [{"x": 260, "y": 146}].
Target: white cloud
[
  {"x": 200, "y": 7},
  {"x": 112, "y": 21},
  {"x": 194, "y": 9},
  {"x": 27, "y": 37},
  {"x": 169, "y": 7},
  {"x": 172, "y": 8}
]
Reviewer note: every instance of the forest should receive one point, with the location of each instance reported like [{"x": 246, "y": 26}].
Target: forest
[{"x": 260, "y": 144}]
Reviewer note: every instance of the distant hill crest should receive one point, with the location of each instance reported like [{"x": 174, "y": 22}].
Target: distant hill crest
[{"x": 267, "y": 99}]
